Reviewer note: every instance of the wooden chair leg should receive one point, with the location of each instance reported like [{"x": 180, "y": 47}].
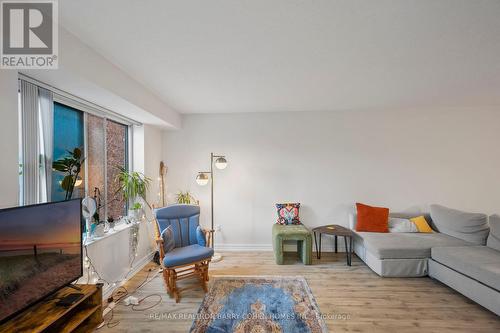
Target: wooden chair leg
[
  {"x": 198, "y": 270},
  {"x": 203, "y": 279},
  {"x": 173, "y": 282},
  {"x": 166, "y": 280},
  {"x": 206, "y": 270}
]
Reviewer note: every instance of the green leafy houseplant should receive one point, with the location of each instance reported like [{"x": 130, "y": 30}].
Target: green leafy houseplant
[
  {"x": 70, "y": 165},
  {"x": 185, "y": 198},
  {"x": 136, "y": 206},
  {"x": 133, "y": 185}
]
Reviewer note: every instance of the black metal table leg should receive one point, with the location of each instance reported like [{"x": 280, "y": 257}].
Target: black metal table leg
[
  {"x": 346, "y": 250},
  {"x": 316, "y": 244},
  {"x": 335, "y": 243},
  {"x": 320, "y": 234},
  {"x": 351, "y": 243}
]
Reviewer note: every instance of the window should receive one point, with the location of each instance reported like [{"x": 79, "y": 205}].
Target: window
[
  {"x": 95, "y": 160},
  {"x": 51, "y": 127},
  {"x": 107, "y": 152},
  {"x": 68, "y": 135},
  {"x": 116, "y": 159}
]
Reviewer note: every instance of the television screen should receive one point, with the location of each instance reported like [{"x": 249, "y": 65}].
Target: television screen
[{"x": 40, "y": 252}]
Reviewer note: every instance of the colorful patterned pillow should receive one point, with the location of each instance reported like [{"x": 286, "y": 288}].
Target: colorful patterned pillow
[
  {"x": 288, "y": 213},
  {"x": 200, "y": 236}
]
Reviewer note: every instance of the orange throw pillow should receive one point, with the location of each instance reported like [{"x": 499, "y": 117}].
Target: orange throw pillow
[{"x": 372, "y": 219}]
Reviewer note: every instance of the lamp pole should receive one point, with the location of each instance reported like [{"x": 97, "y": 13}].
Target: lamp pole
[
  {"x": 212, "y": 230},
  {"x": 202, "y": 179}
]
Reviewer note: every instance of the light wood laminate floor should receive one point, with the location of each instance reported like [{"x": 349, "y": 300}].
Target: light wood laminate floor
[{"x": 364, "y": 301}]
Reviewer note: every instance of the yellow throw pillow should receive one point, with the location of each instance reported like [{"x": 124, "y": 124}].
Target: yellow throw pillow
[{"x": 422, "y": 224}]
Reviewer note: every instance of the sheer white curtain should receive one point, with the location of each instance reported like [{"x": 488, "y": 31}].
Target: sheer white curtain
[{"x": 37, "y": 117}]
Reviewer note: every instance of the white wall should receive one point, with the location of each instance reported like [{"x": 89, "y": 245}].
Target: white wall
[
  {"x": 9, "y": 166},
  {"x": 327, "y": 161},
  {"x": 153, "y": 155},
  {"x": 148, "y": 153}
]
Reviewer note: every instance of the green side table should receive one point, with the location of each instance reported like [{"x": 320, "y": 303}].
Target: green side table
[{"x": 297, "y": 232}]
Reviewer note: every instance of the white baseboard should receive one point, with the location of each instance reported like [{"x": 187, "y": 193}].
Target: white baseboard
[{"x": 289, "y": 247}]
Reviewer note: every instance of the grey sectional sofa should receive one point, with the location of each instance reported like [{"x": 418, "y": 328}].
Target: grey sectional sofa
[{"x": 462, "y": 253}]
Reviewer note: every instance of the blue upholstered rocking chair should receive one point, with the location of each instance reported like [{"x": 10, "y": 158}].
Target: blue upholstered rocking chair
[{"x": 190, "y": 255}]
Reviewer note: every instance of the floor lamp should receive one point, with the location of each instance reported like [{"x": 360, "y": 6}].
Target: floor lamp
[{"x": 202, "y": 179}]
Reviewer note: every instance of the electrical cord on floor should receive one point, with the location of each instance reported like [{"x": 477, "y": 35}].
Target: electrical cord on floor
[
  {"x": 134, "y": 307},
  {"x": 121, "y": 292},
  {"x": 111, "y": 324}
]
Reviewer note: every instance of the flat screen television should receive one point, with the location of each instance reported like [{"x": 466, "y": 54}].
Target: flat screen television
[{"x": 40, "y": 252}]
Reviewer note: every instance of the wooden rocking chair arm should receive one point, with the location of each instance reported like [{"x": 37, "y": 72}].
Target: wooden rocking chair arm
[
  {"x": 159, "y": 242},
  {"x": 208, "y": 239}
]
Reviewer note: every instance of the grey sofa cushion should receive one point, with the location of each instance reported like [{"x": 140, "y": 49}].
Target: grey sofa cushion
[
  {"x": 406, "y": 245},
  {"x": 397, "y": 224},
  {"x": 494, "y": 236},
  {"x": 471, "y": 227},
  {"x": 480, "y": 263}
]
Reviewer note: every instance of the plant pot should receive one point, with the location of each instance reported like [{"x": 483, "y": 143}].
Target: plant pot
[
  {"x": 135, "y": 214},
  {"x": 99, "y": 230}
]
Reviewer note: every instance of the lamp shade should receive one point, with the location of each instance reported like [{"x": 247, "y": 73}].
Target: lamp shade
[
  {"x": 202, "y": 179},
  {"x": 221, "y": 163},
  {"x": 78, "y": 181}
]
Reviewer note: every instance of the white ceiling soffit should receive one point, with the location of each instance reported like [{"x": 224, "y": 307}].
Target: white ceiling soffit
[
  {"x": 85, "y": 73},
  {"x": 299, "y": 55}
]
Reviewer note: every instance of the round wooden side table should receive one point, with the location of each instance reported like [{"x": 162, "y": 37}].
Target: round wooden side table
[{"x": 335, "y": 230}]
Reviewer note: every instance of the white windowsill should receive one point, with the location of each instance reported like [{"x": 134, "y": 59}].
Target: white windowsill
[{"x": 119, "y": 227}]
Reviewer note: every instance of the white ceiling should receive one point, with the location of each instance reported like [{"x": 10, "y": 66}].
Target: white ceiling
[{"x": 299, "y": 55}]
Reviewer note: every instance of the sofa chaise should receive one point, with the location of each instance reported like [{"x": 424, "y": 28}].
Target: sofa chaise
[{"x": 462, "y": 253}]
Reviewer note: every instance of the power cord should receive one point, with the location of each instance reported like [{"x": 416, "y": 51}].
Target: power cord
[
  {"x": 149, "y": 307},
  {"x": 121, "y": 292}
]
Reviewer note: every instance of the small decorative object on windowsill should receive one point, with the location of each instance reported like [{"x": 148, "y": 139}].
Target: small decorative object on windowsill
[
  {"x": 111, "y": 223},
  {"x": 135, "y": 212},
  {"x": 98, "y": 229}
]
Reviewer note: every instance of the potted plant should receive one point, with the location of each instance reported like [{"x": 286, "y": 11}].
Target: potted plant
[
  {"x": 70, "y": 165},
  {"x": 111, "y": 223},
  {"x": 133, "y": 186},
  {"x": 135, "y": 211},
  {"x": 185, "y": 198}
]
